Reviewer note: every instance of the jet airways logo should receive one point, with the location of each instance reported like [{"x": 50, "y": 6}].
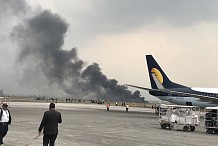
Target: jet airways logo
[{"x": 157, "y": 73}]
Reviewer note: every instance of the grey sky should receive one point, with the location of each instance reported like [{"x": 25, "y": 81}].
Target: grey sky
[
  {"x": 93, "y": 17},
  {"x": 117, "y": 34}
]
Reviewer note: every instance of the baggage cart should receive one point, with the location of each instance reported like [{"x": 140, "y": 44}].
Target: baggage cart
[
  {"x": 211, "y": 120},
  {"x": 175, "y": 116}
]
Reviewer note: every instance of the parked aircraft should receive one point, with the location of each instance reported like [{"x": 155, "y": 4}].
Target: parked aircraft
[{"x": 163, "y": 88}]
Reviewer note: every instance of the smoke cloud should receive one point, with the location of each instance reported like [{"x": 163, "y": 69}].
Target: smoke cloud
[{"x": 41, "y": 56}]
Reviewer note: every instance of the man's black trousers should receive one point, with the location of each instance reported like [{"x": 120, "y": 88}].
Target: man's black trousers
[
  {"x": 49, "y": 139},
  {"x": 3, "y": 131}
]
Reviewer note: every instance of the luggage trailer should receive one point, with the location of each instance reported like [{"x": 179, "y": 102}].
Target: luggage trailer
[
  {"x": 175, "y": 116},
  {"x": 211, "y": 120}
]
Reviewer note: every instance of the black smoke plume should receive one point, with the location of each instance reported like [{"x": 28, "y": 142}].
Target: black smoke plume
[{"x": 40, "y": 40}]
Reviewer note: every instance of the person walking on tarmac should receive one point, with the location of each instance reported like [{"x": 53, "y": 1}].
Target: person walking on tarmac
[
  {"x": 5, "y": 120},
  {"x": 108, "y": 106},
  {"x": 127, "y": 107},
  {"x": 49, "y": 124}
]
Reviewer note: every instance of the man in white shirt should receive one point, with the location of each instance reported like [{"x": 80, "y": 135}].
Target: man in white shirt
[{"x": 5, "y": 120}]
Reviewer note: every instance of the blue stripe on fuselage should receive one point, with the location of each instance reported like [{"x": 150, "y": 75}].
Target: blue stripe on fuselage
[{"x": 184, "y": 90}]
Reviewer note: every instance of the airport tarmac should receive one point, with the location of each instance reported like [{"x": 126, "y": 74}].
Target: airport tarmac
[{"x": 92, "y": 125}]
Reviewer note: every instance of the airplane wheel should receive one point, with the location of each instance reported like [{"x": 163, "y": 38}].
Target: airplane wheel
[{"x": 192, "y": 128}]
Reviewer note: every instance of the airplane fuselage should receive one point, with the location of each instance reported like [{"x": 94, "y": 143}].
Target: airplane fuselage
[{"x": 189, "y": 100}]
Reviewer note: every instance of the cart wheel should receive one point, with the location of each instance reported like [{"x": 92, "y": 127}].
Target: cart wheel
[
  {"x": 185, "y": 128},
  {"x": 192, "y": 128},
  {"x": 171, "y": 126},
  {"x": 209, "y": 131},
  {"x": 163, "y": 126}
]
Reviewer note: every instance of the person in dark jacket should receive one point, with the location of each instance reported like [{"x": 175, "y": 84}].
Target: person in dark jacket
[
  {"x": 49, "y": 124},
  {"x": 5, "y": 120}
]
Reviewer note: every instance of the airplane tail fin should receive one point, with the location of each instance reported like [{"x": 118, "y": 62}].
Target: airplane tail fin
[{"x": 155, "y": 72}]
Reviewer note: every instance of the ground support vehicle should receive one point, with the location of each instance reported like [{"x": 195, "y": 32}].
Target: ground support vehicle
[
  {"x": 175, "y": 116},
  {"x": 211, "y": 120}
]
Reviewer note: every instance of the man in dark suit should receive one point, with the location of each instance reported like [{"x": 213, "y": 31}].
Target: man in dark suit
[{"x": 49, "y": 124}]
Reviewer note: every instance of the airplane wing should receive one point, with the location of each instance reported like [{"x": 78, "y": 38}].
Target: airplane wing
[
  {"x": 160, "y": 87},
  {"x": 143, "y": 88}
]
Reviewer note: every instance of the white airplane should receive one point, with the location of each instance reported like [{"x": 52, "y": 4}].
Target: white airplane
[{"x": 166, "y": 90}]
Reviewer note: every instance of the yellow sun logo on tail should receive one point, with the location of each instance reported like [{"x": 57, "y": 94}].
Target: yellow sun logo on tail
[{"x": 157, "y": 73}]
